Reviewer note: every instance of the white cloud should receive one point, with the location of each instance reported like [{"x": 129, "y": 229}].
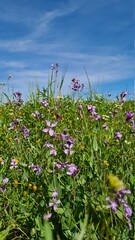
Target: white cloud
[
  {"x": 17, "y": 45},
  {"x": 12, "y": 64}
]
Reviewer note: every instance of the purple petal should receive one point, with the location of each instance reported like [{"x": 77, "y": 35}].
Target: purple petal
[
  {"x": 5, "y": 180},
  {"x": 51, "y": 132},
  {"x": 45, "y": 130},
  {"x": 48, "y": 123},
  {"x": 47, "y": 216},
  {"x": 54, "y": 124},
  {"x": 51, "y": 204}
]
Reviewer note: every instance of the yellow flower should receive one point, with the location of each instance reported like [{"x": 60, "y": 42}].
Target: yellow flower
[
  {"x": 34, "y": 187},
  {"x": 30, "y": 185},
  {"x": 16, "y": 182},
  {"x": 115, "y": 182},
  {"x": 54, "y": 116},
  {"x": 105, "y": 117}
]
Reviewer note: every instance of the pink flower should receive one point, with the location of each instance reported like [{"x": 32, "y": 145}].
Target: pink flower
[
  {"x": 50, "y": 126},
  {"x": 72, "y": 169},
  {"x": 5, "y": 180},
  {"x": 118, "y": 135},
  {"x": 54, "y": 204},
  {"x": 47, "y": 216}
]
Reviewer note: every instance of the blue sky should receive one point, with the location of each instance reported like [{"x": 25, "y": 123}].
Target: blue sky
[{"x": 97, "y": 35}]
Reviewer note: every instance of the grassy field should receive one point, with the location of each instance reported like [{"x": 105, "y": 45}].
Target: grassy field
[{"x": 67, "y": 167}]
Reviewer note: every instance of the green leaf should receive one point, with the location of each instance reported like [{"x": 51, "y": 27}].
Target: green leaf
[
  {"x": 95, "y": 144},
  {"x": 25, "y": 176},
  {"x": 47, "y": 231},
  {"x": 132, "y": 179},
  {"x": 42, "y": 203},
  {"x": 60, "y": 210},
  {"x": 4, "y": 233},
  {"x": 38, "y": 222},
  {"x": 120, "y": 214},
  {"x": 23, "y": 209}
]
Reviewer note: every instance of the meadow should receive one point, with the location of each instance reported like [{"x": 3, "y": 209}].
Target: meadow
[{"x": 67, "y": 166}]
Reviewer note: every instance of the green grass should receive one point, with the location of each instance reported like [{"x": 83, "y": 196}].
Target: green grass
[{"x": 82, "y": 212}]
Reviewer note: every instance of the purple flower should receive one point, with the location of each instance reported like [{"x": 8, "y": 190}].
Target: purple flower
[
  {"x": 105, "y": 126},
  {"x": 64, "y": 137},
  {"x": 76, "y": 85},
  {"x": 48, "y": 145},
  {"x": 36, "y": 168},
  {"x": 50, "y": 126},
  {"x": 91, "y": 109},
  {"x": 72, "y": 169},
  {"x": 47, "y": 216},
  {"x": 118, "y": 135},
  {"x": 17, "y": 96},
  {"x": 53, "y": 152},
  {"x": 113, "y": 204},
  {"x": 118, "y": 200},
  {"x": 129, "y": 116},
  {"x": 55, "y": 194},
  {"x": 60, "y": 165},
  {"x": 123, "y": 94},
  {"x": 97, "y": 117},
  {"x": 68, "y": 149},
  {"x": 37, "y": 115},
  {"x": 14, "y": 123},
  {"x": 80, "y": 107},
  {"x": 25, "y": 131},
  {"x": 124, "y": 191},
  {"x": 128, "y": 211},
  {"x": 69, "y": 143},
  {"x": 5, "y": 180},
  {"x": 14, "y": 163},
  {"x": 52, "y": 149},
  {"x": 44, "y": 103},
  {"x": 54, "y": 203}
]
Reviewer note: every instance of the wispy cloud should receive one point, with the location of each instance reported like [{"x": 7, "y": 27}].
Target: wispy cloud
[
  {"x": 92, "y": 34},
  {"x": 12, "y": 64}
]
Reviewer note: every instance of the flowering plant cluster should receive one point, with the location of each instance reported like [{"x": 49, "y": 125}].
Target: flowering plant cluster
[
  {"x": 76, "y": 85},
  {"x": 117, "y": 200},
  {"x": 56, "y": 154}
]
